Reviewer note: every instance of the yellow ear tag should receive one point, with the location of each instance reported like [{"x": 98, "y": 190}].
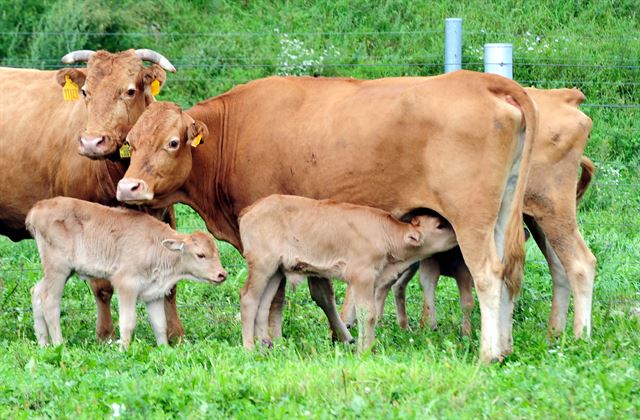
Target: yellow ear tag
[
  {"x": 125, "y": 151},
  {"x": 69, "y": 90},
  {"x": 155, "y": 87},
  {"x": 196, "y": 140}
]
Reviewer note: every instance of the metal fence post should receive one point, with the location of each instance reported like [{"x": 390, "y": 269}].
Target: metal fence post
[
  {"x": 498, "y": 59},
  {"x": 452, "y": 44}
]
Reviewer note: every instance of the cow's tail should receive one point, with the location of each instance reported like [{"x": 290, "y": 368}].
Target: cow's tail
[
  {"x": 514, "y": 251},
  {"x": 588, "y": 168}
]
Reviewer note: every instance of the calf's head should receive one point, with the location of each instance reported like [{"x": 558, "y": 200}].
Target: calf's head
[
  {"x": 428, "y": 235},
  {"x": 200, "y": 259},
  {"x": 161, "y": 144},
  {"x": 116, "y": 89}
]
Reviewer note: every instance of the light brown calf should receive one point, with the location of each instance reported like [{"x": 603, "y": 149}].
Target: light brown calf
[
  {"x": 367, "y": 247},
  {"x": 141, "y": 256}
]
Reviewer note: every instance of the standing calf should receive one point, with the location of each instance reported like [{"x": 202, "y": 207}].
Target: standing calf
[
  {"x": 367, "y": 247},
  {"x": 141, "y": 256}
]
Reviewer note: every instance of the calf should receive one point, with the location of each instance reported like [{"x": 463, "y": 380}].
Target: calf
[
  {"x": 141, "y": 256},
  {"x": 289, "y": 236}
]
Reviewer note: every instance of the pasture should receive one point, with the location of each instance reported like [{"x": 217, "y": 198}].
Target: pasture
[{"x": 594, "y": 46}]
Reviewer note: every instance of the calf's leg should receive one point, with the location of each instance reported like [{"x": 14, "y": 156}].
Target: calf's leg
[
  {"x": 322, "y": 293},
  {"x": 364, "y": 295},
  {"x": 275, "y": 312},
  {"x": 465, "y": 284},
  {"x": 250, "y": 296},
  {"x": 127, "y": 304},
  {"x": 262, "y": 319},
  {"x": 51, "y": 294},
  {"x": 348, "y": 313},
  {"x": 102, "y": 292},
  {"x": 400, "y": 296},
  {"x": 39, "y": 323},
  {"x": 429, "y": 276},
  {"x": 155, "y": 310}
]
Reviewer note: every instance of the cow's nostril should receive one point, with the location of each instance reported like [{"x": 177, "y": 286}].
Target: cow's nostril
[
  {"x": 135, "y": 186},
  {"x": 222, "y": 276}
]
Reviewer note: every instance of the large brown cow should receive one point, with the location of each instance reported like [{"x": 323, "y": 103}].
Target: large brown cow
[
  {"x": 40, "y": 135},
  {"x": 549, "y": 212},
  {"x": 458, "y": 144}
]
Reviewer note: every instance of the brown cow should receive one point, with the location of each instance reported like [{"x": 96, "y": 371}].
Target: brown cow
[
  {"x": 399, "y": 144},
  {"x": 549, "y": 212},
  {"x": 365, "y": 246},
  {"x": 141, "y": 256},
  {"x": 40, "y": 134}
]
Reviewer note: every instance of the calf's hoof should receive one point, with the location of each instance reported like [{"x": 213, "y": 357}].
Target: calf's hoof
[{"x": 267, "y": 343}]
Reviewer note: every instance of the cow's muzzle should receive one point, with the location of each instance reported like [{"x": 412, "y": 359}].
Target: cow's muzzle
[
  {"x": 96, "y": 147},
  {"x": 133, "y": 191}
]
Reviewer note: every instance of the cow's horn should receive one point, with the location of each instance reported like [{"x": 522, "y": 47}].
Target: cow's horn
[
  {"x": 155, "y": 57},
  {"x": 76, "y": 56}
]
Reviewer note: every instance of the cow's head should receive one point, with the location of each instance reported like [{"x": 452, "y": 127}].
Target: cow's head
[
  {"x": 161, "y": 144},
  {"x": 116, "y": 89}
]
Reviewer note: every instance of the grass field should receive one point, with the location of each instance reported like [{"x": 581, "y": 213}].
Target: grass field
[{"x": 417, "y": 373}]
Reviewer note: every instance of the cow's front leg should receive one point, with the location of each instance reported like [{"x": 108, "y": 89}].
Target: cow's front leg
[{"x": 103, "y": 292}]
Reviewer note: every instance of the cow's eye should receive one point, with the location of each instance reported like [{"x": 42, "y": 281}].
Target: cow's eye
[
  {"x": 84, "y": 92},
  {"x": 173, "y": 144},
  {"x": 131, "y": 92},
  {"x": 200, "y": 255}
]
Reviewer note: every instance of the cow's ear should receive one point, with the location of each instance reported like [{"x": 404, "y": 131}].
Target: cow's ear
[
  {"x": 77, "y": 76},
  {"x": 197, "y": 133},
  {"x": 152, "y": 78},
  {"x": 173, "y": 245},
  {"x": 414, "y": 238}
]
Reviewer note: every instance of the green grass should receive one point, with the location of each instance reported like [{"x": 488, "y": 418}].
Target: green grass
[{"x": 413, "y": 373}]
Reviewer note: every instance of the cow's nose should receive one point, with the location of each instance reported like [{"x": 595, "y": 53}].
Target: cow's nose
[
  {"x": 133, "y": 191},
  {"x": 94, "y": 146},
  {"x": 222, "y": 276}
]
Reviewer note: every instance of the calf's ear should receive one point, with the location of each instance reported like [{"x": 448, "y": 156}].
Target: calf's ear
[
  {"x": 414, "y": 238},
  {"x": 415, "y": 221},
  {"x": 173, "y": 245},
  {"x": 77, "y": 76}
]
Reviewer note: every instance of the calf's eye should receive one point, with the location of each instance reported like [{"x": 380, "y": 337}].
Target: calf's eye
[
  {"x": 200, "y": 255},
  {"x": 131, "y": 92},
  {"x": 173, "y": 144}
]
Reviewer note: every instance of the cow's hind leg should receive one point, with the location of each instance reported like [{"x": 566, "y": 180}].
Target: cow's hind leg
[
  {"x": 322, "y": 293},
  {"x": 579, "y": 264},
  {"x": 175, "y": 330},
  {"x": 103, "y": 292}
]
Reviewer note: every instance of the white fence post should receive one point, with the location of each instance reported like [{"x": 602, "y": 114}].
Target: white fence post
[
  {"x": 452, "y": 44},
  {"x": 498, "y": 59}
]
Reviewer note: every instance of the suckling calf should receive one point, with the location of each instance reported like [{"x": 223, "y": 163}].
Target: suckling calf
[
  {"x": 367, "y": 247},
  {"x": 141, "y": 256}
]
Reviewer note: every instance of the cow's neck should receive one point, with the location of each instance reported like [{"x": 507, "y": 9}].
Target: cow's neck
[{"x": 205, "y": 189}]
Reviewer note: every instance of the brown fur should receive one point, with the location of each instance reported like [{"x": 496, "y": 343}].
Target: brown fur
[
  {"x": 399, "y": 144},
  {"x": 39, "y": 134}
]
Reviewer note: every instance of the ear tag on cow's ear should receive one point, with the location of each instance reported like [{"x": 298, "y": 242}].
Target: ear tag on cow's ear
[
  {"x": 69, "y": 90},
  {"x": 155, "y": 87},
  {"x": 196, "y": 140},
  {"x": 125, "y": 151}
]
